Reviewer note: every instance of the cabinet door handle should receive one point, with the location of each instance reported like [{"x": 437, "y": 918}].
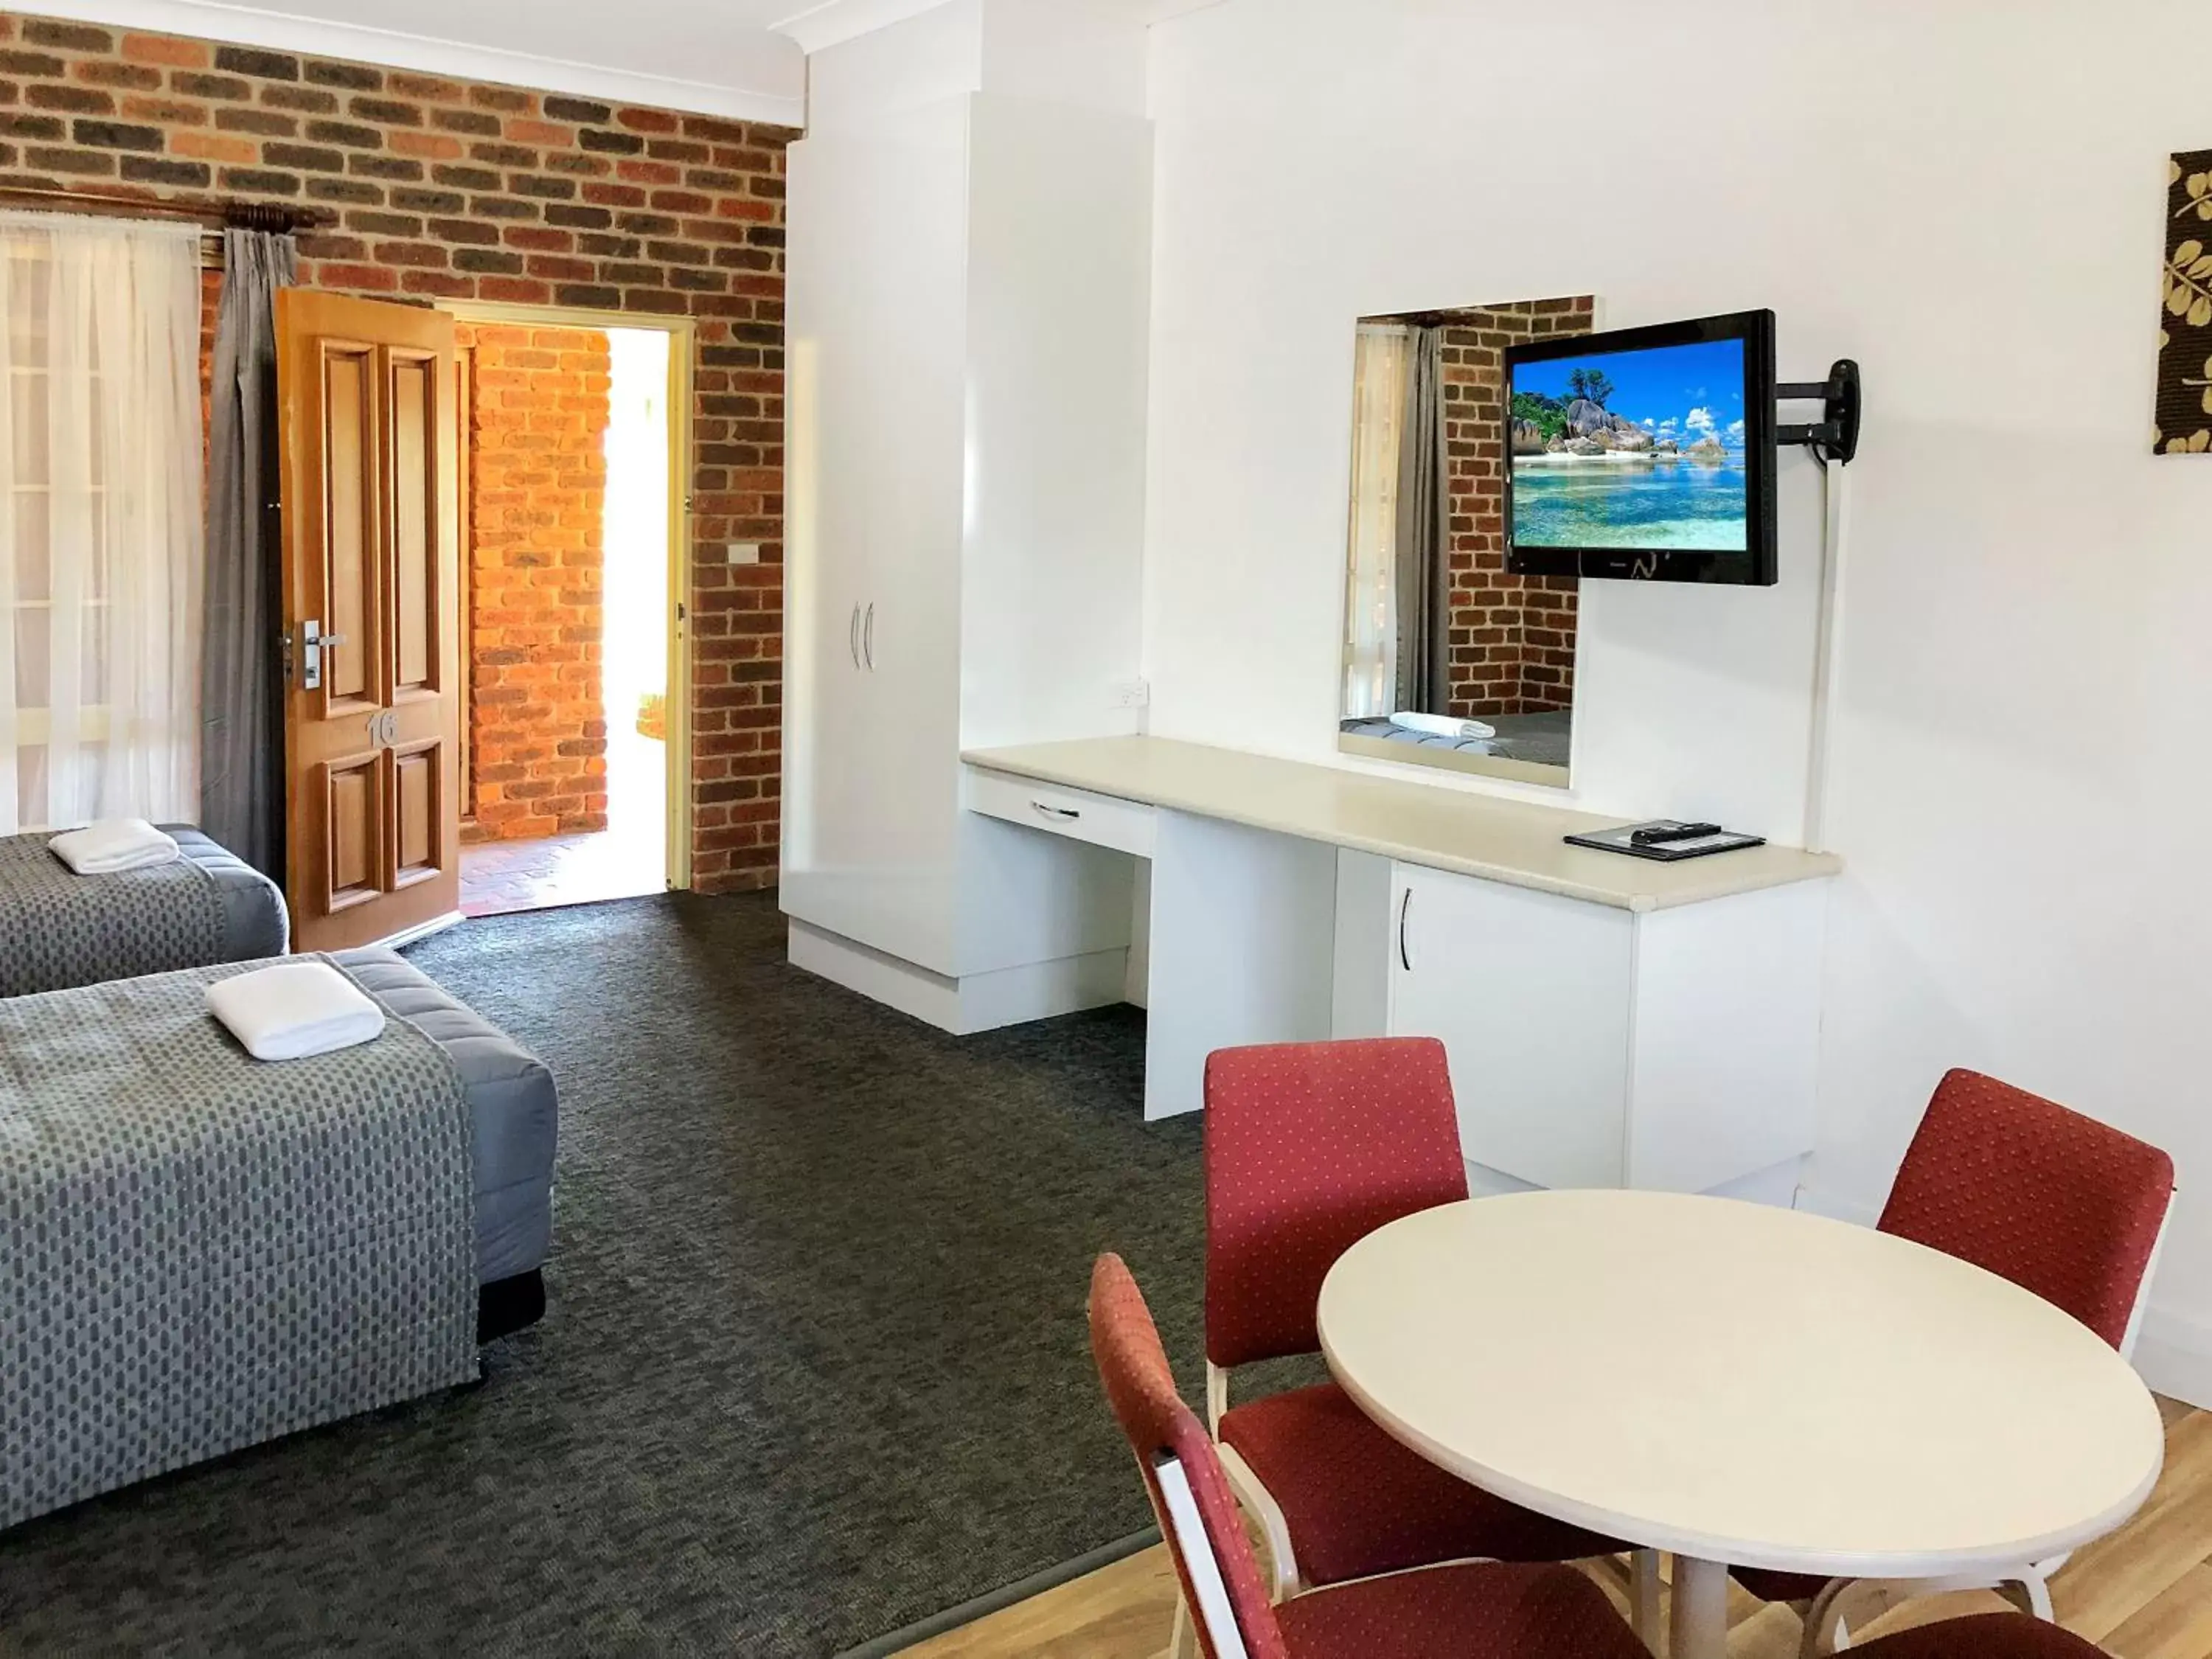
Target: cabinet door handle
[
  {"x": 852, "y": 634},
  {"x": 1404, "y": 904},
  {"x": 1065, "y": 814},
  {"x": 868, "y": 637}
]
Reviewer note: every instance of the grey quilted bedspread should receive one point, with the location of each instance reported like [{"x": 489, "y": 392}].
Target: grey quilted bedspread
[
  {"x": 199, "y": 1251},
  {"x": 59, "y": 929}
]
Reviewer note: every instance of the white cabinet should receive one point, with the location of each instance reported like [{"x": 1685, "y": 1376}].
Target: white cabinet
[
  {"x": 1592, "y": 1046},
  {"x": 966, "y": 341},
  {"x": 871, "y": 665},
  {"x": 1530, "y": 994}
]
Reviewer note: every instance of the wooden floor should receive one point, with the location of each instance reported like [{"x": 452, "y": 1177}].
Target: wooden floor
[{"x": 2143, "y": 1593}]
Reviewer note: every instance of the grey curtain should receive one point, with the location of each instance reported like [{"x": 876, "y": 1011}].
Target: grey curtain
[
  {"x": 241, "y": 691},
  {"x": 1424, "y": 570}
]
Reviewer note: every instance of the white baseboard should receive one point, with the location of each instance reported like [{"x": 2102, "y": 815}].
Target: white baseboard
[
  {"x": 980, "y": 1002},
  {"x": 2174, "y": 1354},
  {"x": 1837, "y": 1206},
  {"x": 422, "y": 930},
  {"x": 1777, "y": 1186},
  {"x": 1483, "y": 1182}
]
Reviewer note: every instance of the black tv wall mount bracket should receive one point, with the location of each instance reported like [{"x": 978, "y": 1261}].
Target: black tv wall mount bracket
[{"x": 1835, "y": 436}]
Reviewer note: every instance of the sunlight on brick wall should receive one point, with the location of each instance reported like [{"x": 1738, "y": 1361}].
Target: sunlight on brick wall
[{"x": 537, "y": 505}]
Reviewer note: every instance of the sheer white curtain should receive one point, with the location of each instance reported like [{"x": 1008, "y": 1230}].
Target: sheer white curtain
[
  {"x": 100, "y": 535},
  {"x": 1382, "y": 362}
]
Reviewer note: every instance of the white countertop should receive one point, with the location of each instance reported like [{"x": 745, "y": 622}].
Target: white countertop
[{"x": 1514, "y": 841}]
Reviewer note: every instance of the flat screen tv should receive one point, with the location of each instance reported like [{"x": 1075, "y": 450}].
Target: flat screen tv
[{"x": 1646, "y": 453}]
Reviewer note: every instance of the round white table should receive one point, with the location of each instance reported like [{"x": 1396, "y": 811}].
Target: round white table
[{"x": 1741, "y": 1386}]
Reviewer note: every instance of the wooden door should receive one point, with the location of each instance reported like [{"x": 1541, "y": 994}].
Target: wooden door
[{"x": 371, "y": 442}]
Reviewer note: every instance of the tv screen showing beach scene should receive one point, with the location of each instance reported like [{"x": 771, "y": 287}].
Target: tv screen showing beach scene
[{"x": 1637, "y": 450}]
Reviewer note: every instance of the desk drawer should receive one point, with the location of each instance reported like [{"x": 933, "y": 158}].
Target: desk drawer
[{"x": 1101, "y": 820}]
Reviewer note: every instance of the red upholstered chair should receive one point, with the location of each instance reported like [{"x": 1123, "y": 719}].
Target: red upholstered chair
[
  {"x": 1310, "y": 1148},
  {"x": 2059, "y": 1204},
  {"x": 1981, "y": 1636},
  {"x": 1470, "y": 1611}
]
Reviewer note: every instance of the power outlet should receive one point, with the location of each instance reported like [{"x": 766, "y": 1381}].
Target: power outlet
[{"x": 1131, "y": 694}]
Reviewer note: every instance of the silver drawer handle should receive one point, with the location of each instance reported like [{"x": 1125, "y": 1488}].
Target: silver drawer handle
[{"x": 1065, "y": 814}]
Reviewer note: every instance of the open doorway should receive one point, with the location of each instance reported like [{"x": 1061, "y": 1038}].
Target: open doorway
[{"x": 573, "y": 519}]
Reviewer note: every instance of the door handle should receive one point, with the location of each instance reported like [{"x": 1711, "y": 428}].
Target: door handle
[
  {"x": 853, "y": 635},
  {"x": 1404, "y": 904},
  {"x": 313, "y": 643},
  {"x": 868, "y": 637}
]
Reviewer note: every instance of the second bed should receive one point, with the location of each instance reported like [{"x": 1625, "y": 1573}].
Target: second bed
[{"x": 59, "y": 929}]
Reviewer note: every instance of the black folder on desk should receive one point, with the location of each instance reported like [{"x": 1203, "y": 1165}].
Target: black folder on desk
[{"x": 1667, "y": 852}]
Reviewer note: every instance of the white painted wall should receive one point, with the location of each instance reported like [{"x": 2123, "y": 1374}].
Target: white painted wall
[
  {"x": 1967, "y": 198},
  {"x": 1079, "y": 54}
]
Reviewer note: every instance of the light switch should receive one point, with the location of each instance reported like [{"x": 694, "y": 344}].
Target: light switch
[{"x": 744, "y": 552}]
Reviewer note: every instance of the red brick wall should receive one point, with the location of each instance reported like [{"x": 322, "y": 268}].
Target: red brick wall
[
  {"x": 538, "y": 496},
  {"x": 449, "y": 189},
  {"x": 1512, "y": 637}
]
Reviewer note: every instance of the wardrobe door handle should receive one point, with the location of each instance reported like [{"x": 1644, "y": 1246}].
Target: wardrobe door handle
[
  {"x": 868, "y": 637},
  {"x": 853, "y": 635},
  {"x": 1405, "y": 903}
]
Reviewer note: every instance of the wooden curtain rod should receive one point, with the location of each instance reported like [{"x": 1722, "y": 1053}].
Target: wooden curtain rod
[{"x": 273, "y": 216}]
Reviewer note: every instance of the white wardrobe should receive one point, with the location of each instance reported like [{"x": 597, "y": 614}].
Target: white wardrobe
[{"x": 966, "y": 332}]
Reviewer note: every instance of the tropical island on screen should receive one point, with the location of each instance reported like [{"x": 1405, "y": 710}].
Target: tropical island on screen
[{"x": 1632, "y": 449}]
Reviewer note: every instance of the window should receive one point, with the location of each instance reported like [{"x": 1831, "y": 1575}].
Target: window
[
  {"x": 100, "y": 538},
  {"x": 1382, "y": 363}
]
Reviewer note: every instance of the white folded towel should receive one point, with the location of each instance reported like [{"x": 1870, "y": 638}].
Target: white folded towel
[
  {"x": 294, "y": 1010},
  {"x": 1441, "y": 726},
  {"x": 113, "y": 845}
]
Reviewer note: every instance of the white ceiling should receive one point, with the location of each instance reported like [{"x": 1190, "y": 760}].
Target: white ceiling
[
  {"x": 737, "y": 57},
  {"x": 715, "y": 56},
  {"x": 818, "y": 23}
]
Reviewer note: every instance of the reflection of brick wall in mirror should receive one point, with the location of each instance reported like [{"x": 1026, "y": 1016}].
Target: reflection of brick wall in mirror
[{"x": 1512, "y": 638}]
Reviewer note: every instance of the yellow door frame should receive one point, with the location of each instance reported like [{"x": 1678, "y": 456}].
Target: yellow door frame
[{"x": 681, "y": 333}]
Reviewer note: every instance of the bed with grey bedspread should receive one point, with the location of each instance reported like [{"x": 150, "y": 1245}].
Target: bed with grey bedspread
[
  {"x": 58, "y": 929},
  {"x": 514, "y": 1111},
  {"x": 199, "y": 1252}
]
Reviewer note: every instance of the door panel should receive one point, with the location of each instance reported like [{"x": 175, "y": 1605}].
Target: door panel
[
  {"x": 349, "y": 528},
  {"x": 414, "y": 514},
  {"x": 372, "y": 533},
  {"x": 415, "y": 775},
  {"x": 352, "y": 804}
]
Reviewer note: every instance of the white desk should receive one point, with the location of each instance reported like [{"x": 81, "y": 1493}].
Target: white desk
[
  {"x": 1516, "y": 843},
  {"x": 1740, "y": 1385},
  {"x": 1611, "y": 1021}
]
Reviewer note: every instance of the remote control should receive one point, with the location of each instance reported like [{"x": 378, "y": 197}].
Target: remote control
[{"x": 1655, "y": 837}]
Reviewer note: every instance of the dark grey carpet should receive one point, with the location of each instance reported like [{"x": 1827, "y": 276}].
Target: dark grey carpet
[{"x": 815, "y": 1368}]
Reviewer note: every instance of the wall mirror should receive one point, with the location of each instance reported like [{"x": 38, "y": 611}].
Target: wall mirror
[{"x": 1449, "y": 660}]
